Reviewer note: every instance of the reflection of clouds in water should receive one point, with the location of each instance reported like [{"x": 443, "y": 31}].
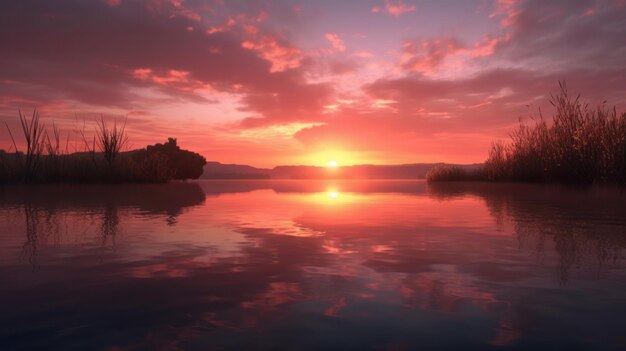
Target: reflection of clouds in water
[
  {"x": 278, "y": 293},
  {"x": 374, "y": 265},
  {"x": 277, "y": 226}
]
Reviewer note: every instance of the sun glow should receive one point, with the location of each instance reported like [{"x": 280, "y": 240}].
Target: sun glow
[{"x": 335, "y": 157}]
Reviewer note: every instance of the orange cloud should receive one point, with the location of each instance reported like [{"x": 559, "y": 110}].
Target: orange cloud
[
  {"x": 172, "y": 78},
  {"x": 250, "y": 78},
  {"x": 282, "y": 57}
]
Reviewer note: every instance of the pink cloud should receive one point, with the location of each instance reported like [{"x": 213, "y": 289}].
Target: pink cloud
[
  {"x": 162, "y": 54},
  {"x": 342, "y": 67},
  {"x": 394, "y": 8},
  {"x": 429, "y": 55},
  {"x": 173, "y": 8},
  {"x": 507, "y": 11},
  {"x": 281, "y": 56},
  {"x": 487, "y": 45},
  {"x": 172, "y": 78},
  {"x": 363, "y": 54},
  {"x": 248, "y": 65},
  {"x": 112, "y": 2},
  {"x": 226, "y": 26},
  {"x": 335, "y": 41},
  {"x": 251, "y": 30},
  {"x": 426, "y": 55}
]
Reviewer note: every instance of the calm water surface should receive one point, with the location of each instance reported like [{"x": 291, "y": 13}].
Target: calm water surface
[{"x": 312, "y": 265}]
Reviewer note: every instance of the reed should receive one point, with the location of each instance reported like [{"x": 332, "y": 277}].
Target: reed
[
  {"x": 111, "y": 140},
  {"x": 451, "y": 173},
  {"x": 3, "y": 167},
  {"x": 33, "y": 132},
  {"x": 580, "y": 145},
  {"x": 102, "y": 159}
]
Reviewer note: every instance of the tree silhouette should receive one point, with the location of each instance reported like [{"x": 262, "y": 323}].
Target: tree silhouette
[{"x": 172, "y": 162}]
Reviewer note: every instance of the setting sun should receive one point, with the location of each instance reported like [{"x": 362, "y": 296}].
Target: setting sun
[{"x": 332, "y": 164}]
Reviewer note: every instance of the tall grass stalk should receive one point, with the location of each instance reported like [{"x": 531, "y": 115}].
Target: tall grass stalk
[
  {"x": 450, "y": 173},
  {"x": 90, "y": 148},
  {"x": 34, "y": 135},
  {"x": 52, "y": 160},
  {"x": 53, "y": 147},
  {"x": 581, "y": 145},
  {"x": 111, "y": 140},
  {"x": 105, "y": 159}
]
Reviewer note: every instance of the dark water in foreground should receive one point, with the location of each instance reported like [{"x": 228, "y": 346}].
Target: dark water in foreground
[{"x": 312, "y": 265}]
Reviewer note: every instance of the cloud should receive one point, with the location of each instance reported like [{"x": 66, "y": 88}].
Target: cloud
[
  {"x": 430, "y": 56},
  {"x": 281, "y": 56},
  {"x": 394, "y": 8},
  {"x": 424, "y": 119},
  {"x": 112, "y": 2},
  {"x": 512, "y": 89},
  {"x": 557, "y": 35},
  {"x": 235, "y": 69},
  {"x": 363, "y": 54},
  {"x": 172, "y": 78},
  {"x": 426, "y": 55},
  {"x": 343, "y": 67},
  {"x": 286, "y": 102},
  {"x": 97, "y": 54},
  {"x": 335, "y": 41},
  {"x": 506, "y": 10},
  {"x": 549, "y": 36}
]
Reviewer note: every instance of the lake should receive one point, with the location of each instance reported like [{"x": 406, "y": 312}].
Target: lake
[{"x": 312, "y": 265}]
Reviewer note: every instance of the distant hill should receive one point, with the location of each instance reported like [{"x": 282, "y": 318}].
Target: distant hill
[{"x": 216, "y": 170}]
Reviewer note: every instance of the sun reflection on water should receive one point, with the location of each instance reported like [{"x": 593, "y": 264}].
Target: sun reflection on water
[{"x": 334, "y": 196}]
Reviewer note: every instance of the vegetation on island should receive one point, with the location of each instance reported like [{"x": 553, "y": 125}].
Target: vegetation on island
[
  {"x": 579, "y": 145},
  {"x": 44, "y": 158}
]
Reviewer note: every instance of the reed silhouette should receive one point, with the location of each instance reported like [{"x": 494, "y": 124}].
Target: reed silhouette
[
  {"x": 55, "y": 215},
  {"x": 580, "y": 145},
  {"x": 445, "y": 172},
  {"x": 581, "y": 226},
  {"x": 103, "y": 159}
]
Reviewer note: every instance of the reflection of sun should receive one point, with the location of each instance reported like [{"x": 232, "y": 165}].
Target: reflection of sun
[
  {"x": 332, "y": 164},
  {"x": 333, "y": 197}
]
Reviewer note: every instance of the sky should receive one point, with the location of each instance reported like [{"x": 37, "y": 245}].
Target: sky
[{"x": 278, "y": 82}]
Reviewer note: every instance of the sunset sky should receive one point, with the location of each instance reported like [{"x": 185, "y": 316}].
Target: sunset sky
[{"x": 269, "y": 83}]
